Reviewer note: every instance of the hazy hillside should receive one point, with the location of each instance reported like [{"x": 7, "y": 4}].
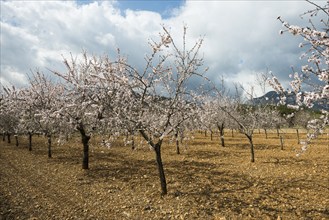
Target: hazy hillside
[{"x": 273, "y": 98}]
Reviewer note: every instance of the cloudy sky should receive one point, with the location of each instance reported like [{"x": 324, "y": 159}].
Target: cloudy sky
[{"x": 241, "y": 37}]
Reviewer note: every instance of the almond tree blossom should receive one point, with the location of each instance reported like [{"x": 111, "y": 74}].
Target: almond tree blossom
[{"x": 311, "y": 84}]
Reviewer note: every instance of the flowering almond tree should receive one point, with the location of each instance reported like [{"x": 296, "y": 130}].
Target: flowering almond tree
[
  {"x": 44, "y": 97},
  {"x": 251, "y": 117},
  {"x": 28, "y": 120},
  {"x": 214, "y": 114},
  {"x": 80, "y": 108},
  {"x": 311, "y": 84},
  {"x": 159, "y": 97}
]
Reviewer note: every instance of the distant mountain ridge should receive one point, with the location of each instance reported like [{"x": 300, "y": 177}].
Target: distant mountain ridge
[{"x": 273, "y": 98}]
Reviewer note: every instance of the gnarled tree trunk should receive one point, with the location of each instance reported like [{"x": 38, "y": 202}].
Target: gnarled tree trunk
[
  {"x": 177, "y": 142},
  {"x": 16, "y": 140},
  {"x": 85, "y": 141},
  {"x": 132, "y": 142},
  {"x": 157, "y": 149},
  {"x": 252, "y": 152},
  {"x": 221, "y": 133},
  {"x": 49, "y": 145},
  {"x": 281, "y": 142},
  {"x": 162, "y": 176},
  {"x": 8, "y": 138},
  {"x": 30, "y": 140}
]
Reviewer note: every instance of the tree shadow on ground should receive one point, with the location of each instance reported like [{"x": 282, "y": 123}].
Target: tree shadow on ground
[
  {"x": 204, "y": 154},
  {"x": 267, "y": 146},
  {"x": 114, "y": 166},
  {"x": 287, "y": 161}
]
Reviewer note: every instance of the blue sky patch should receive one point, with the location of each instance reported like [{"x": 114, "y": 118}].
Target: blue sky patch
[{"x": 163, "y": 7}]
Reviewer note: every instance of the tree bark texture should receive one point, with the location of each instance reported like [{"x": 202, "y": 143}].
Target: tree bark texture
[
  {"x": 8, "y": 138},
  {"x": 252, "y": 152},
  {"x": 281, "y": 142},
  {"x": 162, "y": 176},
  {"x": 157, "y": 149},
  {"x": 221, "y": 134},
  {"x": 49, "y": 145},
  {"x": 298, "y": 139},
  {"x": 132, "y": 142},
  {"x": 16, "y": 140},
  {"x": 85, "y": 142},
  {"x": 30, "y": 141},
  {"x": 177, "y": 143}
]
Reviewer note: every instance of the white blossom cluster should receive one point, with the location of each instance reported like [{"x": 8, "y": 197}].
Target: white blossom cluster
[{"x": 314, "y": 75}]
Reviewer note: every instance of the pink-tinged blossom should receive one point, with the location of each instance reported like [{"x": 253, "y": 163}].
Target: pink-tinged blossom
[
  {"x": 324, "y": 76},
  {"x": 305, "y": 68},
  {"x": 325, "y": 92}
]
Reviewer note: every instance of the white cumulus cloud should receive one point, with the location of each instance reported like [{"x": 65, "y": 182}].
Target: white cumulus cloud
[{"x": 241, "y": 37}]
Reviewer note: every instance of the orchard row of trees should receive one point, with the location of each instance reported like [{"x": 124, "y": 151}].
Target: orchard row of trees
[{"x": 171, "y": 95}]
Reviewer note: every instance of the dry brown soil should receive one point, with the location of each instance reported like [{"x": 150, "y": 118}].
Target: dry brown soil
[{"x": 205, "y": 181}]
